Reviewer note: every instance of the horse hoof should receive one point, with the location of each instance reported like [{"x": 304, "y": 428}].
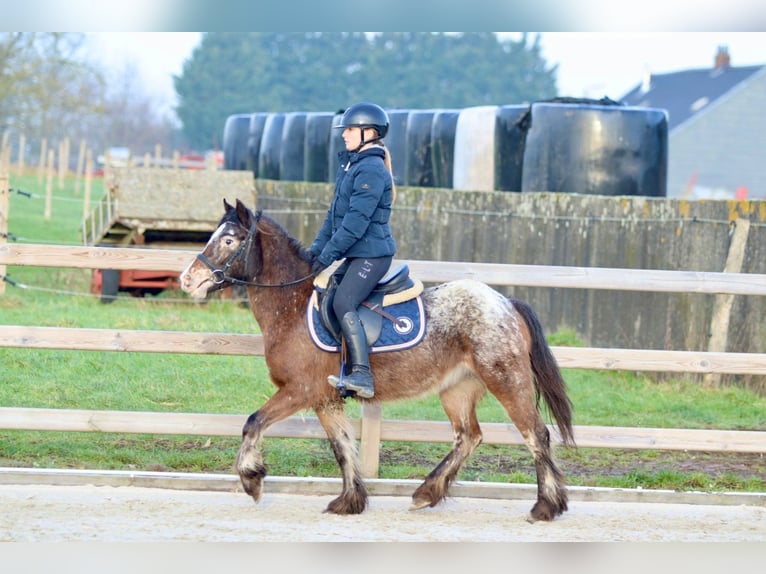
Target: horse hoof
[
  {"x": 418, "y": 504},
  {"x": 542, "y": 511},
  {"x": 350, "y": 503}
]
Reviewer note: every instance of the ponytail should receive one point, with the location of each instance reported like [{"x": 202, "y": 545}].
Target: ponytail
[{"x": 387, "y": 161}]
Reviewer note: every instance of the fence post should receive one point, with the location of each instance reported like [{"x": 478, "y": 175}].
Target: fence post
[
  {"x": 4, "y": 204},
  {"x": 80, "y": 167},
  {"x": 719, "y": 323},
  {"x": 41, "y": 163},
  {"x": 86, "y": 198},
  {"x": 62, "y": 165},
  {"x": 49, "y": 183},
  {"x": 369, "y": 444},
  {"x": 5, "y": 145},
  {"x": 20, "y": 159}
]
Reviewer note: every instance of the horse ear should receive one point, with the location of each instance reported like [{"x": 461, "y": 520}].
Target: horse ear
[
  {"x": 227, "y": 207},
  {"x": 243, "y": 213}
]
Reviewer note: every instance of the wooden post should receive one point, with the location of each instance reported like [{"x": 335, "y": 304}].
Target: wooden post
[
  {"x": 67, "y": 153},
  {"x": 5, "y": 155},
  {"x": 4, "y": 145},
  {"x": 5, "y": 160},
  {"x": 176, "y": 159},
  {"x": 61, "y": 165},
  {"x": 147, "y": 160},
  {"x": 49, "y": 183},
  {"x": 158, "y": 155},
  {"x": 41, "y": 163},
  {"x": 88, "y": 176},
  {"x": 369, "y": 444},
  {"x": 80, "y": 167},
  {"x": 719, "y": 324},
  {"x": 4, "y": 204},
  {"x": 22, "y": 149},
  {"x": 107, "y": 167}
]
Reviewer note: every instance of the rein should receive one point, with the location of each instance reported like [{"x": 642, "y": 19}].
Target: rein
[{"x": 221, "y": 275}]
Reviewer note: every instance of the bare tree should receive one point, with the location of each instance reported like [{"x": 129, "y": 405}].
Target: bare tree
[
  {"x": 47, "y": 90},
  {"x": 132, "y": 118}
]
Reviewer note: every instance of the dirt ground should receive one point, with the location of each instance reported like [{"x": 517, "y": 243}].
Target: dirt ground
[{"x": 48, "y": 513}]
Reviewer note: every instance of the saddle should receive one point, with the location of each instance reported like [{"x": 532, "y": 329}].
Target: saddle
[{"x": 395, "y": 287}]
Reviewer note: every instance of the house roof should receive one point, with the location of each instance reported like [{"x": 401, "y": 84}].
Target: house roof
[{"x": 688, "y": 92}]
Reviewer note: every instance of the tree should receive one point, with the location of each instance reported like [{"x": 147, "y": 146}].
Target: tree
[
  {"x": 47, "y": 90},
  {"x": 131, "y": 118},
  {"x": 239, "y": 73}
]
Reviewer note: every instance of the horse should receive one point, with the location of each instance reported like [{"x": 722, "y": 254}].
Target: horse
[{"x": 477, "y": 341}]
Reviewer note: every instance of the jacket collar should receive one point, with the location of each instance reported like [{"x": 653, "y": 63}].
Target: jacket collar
[{"x": 347, "y": 157}]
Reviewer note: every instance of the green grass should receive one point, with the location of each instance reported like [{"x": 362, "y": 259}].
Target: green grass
[{"x": 239, "y": 385}]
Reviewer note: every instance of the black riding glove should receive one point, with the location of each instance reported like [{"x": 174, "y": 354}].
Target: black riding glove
[{"x": 316, "y": 266}]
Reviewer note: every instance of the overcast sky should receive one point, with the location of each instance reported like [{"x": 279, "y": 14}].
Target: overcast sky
[{"x": 589, "y": 64}]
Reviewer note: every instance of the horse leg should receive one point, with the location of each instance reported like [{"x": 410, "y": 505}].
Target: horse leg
[
  {"x": 551, "y": 490},
  {"x": 353, "y": 497},
  {"x": 459, "y": 401},
  {"x": 517, "y": 397},
  {"x": 249, "y": 463}
]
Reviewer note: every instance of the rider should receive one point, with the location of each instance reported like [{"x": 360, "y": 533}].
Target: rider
[{"x": 356, "y": 228}]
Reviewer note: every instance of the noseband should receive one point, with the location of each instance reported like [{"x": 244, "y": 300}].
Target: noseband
[{"x": 221, "y": 276}]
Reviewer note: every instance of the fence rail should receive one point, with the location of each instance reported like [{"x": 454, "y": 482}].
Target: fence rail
[
  {"x": 65, "y": 338},
  {"x": 370, "y": 427},
  {"x": 86, "y": 257}
]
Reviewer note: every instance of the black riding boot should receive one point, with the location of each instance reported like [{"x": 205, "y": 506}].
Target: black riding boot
[{"x": 360, "y": 380}]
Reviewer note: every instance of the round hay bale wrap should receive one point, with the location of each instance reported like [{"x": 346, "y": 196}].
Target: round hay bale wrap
[
  {"x": 418, "y": 169},
  {"x": 255, "y": 133},
  {"x": 475, "y": 149},
  {"x": 291, "y": 152},
  {"x": 235, "y": 134},
  {"x": 443, "y": 146},
  {"x": 396, "y": 142},
  {"x": 271, "y": 143},
  {"x": 336, "y": 146},
  {"x": 510, "y": 136},
  {"x": 596, "y": 149},
  {"x": 316, "y": 152}
]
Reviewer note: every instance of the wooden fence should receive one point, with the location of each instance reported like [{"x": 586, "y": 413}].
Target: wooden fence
[{"x": 370, "y": 428}]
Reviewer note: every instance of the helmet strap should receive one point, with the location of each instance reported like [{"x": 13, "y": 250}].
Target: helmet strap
[{"x": 362, "y": 142}]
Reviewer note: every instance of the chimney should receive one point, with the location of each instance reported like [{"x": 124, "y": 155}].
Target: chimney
[
  {"x": 722, "y": 58},
  {"x": 646, "y": 80}
]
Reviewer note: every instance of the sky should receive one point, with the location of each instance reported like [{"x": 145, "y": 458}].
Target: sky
[{"x": 590, "y": 64}]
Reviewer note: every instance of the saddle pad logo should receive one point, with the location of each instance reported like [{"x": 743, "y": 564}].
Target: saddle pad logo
[{"x": 404, "y": 325}]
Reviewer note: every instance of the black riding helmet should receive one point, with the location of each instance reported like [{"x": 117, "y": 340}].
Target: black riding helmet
[{"x": 366, "y": 115}]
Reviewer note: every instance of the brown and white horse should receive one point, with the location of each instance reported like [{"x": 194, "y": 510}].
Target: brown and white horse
[{"x": 477, "y": 340}]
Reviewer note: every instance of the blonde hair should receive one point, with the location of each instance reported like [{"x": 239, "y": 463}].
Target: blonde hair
[{"x": 387, "y": 161}]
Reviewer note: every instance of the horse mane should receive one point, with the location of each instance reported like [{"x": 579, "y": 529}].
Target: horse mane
[{"x": 274, "y": 226}]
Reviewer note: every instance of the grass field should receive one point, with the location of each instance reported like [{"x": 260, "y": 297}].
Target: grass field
[{"x": 239, "y": 385}]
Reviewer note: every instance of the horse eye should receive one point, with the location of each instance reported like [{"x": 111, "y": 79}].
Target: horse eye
[{"x": 228, "y": 240}]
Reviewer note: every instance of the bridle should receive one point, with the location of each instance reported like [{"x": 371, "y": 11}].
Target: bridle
[{"x": 221, "y": 276}]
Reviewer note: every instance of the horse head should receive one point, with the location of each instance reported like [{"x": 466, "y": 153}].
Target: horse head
[{"x": 229, "y": 257}]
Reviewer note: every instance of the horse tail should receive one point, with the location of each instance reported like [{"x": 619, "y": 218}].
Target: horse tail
[{"x": 548, "y": 379}]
